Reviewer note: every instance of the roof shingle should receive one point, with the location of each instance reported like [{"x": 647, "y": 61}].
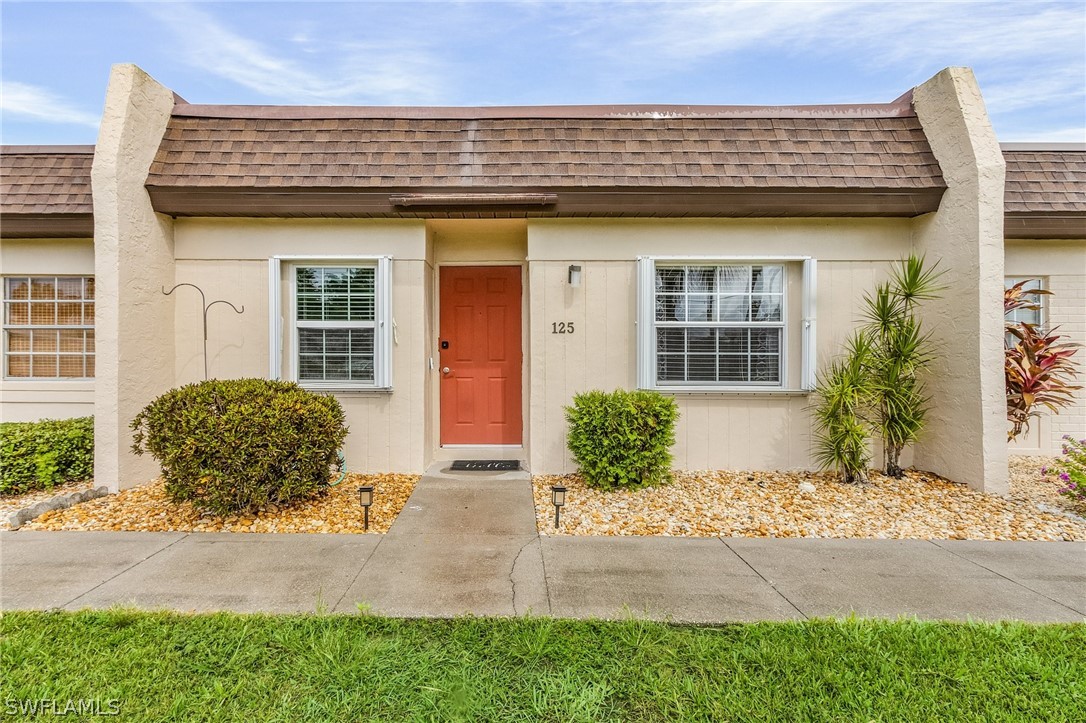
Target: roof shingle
[
  {"x": 36, "y": 180},
  {"x": 1045, "y": 181},
  {"x": 692, "y": 152}
]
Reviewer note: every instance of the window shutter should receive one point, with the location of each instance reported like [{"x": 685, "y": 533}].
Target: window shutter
[
  {"x": 275, "y": 320},
  {"x": 383, "y": 367},
  {"x": 810, "y": 324},
  {"x": 646, "y": 343}
]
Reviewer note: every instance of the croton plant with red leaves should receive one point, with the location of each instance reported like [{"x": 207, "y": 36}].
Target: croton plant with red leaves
[{"x": 1037, "y": 363}]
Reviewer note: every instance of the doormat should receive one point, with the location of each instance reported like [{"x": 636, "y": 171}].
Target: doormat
[{"x": 485, "y": 465}]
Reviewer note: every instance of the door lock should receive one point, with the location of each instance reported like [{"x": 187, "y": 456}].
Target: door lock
[{"x": 445, "y": 370}]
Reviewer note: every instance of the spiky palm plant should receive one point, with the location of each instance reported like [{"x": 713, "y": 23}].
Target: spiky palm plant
[
  {"x": 900, "y": 352},
  {"x": 842, "y": 394}
]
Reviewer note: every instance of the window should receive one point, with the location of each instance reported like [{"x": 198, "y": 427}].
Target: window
[
  {"x": 48, "y": 327},
  {"x": 1030, "y": 316},
  {"x": 719, "y": 324},
  {"x": 338, "y": 323}
]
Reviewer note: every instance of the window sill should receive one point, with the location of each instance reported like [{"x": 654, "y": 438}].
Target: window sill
[
  {"x": 352, "y": 391},
  {"x": 48, "y": 383},
  {"x": 733, "y": 391}
]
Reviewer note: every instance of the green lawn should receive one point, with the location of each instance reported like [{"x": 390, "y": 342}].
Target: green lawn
[{"x": 162, "y": 667}]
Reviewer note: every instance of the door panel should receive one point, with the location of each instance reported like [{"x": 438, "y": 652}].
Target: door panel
[{"x": 480, "y": 322}]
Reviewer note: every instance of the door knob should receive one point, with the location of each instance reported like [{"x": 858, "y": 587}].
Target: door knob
[{"x": 445, "y": 370}]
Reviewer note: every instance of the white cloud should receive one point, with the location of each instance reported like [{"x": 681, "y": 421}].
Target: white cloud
[
  {"x": 1028, "y": 55},
  {"x": 30, "y": 101},
  {"x": 343, "y": 73}
]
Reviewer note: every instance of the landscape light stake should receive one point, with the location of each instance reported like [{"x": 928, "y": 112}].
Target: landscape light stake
[
  {"x": 558, "y": 499},
  {"x": 205, "y": 306},
  {"x": 365, "y": 498}
]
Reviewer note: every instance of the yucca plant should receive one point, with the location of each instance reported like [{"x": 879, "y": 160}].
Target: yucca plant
[
  {"x": 1037, "y": 365},
  {"x": 900, "y": 352},
  {"x": 843, "y": 392}
]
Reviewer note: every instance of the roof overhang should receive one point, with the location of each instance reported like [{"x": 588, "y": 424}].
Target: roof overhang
[
  {"x": 1045, "y": 225},
  {"x": 46, "y": 225},
  {"x": 368, "y": 203}
]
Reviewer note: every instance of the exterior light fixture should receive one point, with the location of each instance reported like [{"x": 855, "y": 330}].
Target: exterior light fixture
[
  {"x": 558, "y": 499},
  {"x": 365, "y": 498},
  {"x": 574, "y": 275}
]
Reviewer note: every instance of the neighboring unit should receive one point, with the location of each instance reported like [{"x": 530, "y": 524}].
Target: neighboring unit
[{"x": 1045, "y": 228}]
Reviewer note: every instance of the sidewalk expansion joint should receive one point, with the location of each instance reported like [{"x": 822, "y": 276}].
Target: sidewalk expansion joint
[
  {"x": 763, "y": 577},
  {"x": 133, "y": 565},
  {"x": 359, "y": 573},
  {"x": 1019, "y": 583}
]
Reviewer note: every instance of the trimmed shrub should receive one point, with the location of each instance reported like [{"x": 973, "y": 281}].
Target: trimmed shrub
[
  {"x": 622, "y": 439},
  {"x": 39, "y": 455},
  {"x": 230, "y": 446}
]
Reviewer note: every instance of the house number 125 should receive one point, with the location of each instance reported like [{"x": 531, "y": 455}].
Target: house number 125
[{"x": 562, "y": 327}]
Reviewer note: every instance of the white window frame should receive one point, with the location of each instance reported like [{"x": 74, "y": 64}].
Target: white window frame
[
  {"x": 5, "y": 327},
  {"x": 1042, "y": 313},
  {"x": 281, "y": 324},
  {"x": 646, "y": 324}
]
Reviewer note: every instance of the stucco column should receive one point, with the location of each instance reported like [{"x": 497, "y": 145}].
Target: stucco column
[
  {"x": 133, "y": 260},
  {"x": 966, "y": 436}
]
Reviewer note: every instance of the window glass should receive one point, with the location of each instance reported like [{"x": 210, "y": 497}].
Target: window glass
[
  {"x": 48, "y": 326},
  {"x": 335, "y": 323},
  {"x": 719, "y": 323}
]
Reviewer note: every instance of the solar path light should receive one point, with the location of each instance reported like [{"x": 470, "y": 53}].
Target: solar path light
[
  {"x": 558, "y": 499},
  {"x": 365, "y": 498}
]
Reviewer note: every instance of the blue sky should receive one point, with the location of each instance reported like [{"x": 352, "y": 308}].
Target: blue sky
[{"x": 1030, "y": 57}]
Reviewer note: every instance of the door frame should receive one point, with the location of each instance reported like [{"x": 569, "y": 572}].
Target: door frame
[{"x": 517, "y": 451}]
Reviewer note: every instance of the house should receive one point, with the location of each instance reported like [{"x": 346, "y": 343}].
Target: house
[{"x": 455, "y": 275}]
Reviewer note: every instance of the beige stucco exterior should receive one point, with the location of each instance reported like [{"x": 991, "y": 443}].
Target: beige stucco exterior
[
  {"x": 733, "y": 430},
  {"x": 24, "y": 401},
  {"x": 398, "y": 430},
  {"x": 133, "y": 261},
  {"x": 966, "y": 433},
  {"x": 1061, "y": 266}
]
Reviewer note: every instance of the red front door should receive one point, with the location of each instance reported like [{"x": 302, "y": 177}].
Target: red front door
[{"x": 480, "y": 354}]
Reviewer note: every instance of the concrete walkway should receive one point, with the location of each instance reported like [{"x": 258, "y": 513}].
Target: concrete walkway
[{"x": 469, "y": 546}]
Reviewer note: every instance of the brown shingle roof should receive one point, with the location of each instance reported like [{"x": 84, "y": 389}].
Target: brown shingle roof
[
  {"x": 1045, "y": 194},
  {"x": 696, "y": 151},
  {"x": 45, "y": 179},
  {"x": 889, "y": 153},
  {"x": 1045, "y": 181},
  {"x": 45, "y": 191}
]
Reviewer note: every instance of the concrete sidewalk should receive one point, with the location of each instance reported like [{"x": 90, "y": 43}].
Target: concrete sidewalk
[
  {"x": 506, "y": 573},
  {"x": 466, "y": 544}
]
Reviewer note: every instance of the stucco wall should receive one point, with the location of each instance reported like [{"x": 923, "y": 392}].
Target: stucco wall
[
  {"x": 1062, "y": 266},
  {"x": 133, "y": 261},
  {"x": 228, "y": 259},
  {"x": 24, "y": 401},
  {"x": 716, "y": 430},
  {"x": 966, "y": 438}
]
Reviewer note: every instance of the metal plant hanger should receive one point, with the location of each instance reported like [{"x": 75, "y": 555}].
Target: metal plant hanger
[{"x": 206, "y": 306}]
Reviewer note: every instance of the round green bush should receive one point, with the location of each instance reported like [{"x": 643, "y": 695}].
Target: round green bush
[
  {"x": 234, "y": 445},
  {"x": 621, "y": 438}
]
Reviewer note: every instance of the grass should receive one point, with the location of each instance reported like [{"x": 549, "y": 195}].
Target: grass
[{"x": 168, "y": 667}]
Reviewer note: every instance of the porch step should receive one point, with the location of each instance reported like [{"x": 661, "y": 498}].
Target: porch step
[{"x": 447, "y": 502}]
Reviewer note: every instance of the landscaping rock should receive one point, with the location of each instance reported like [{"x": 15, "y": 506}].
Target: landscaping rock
[
  {"x": 780, "y": 504},
  {"x": 57, "y": 502},
  {"x": 146, "y": 508}
]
